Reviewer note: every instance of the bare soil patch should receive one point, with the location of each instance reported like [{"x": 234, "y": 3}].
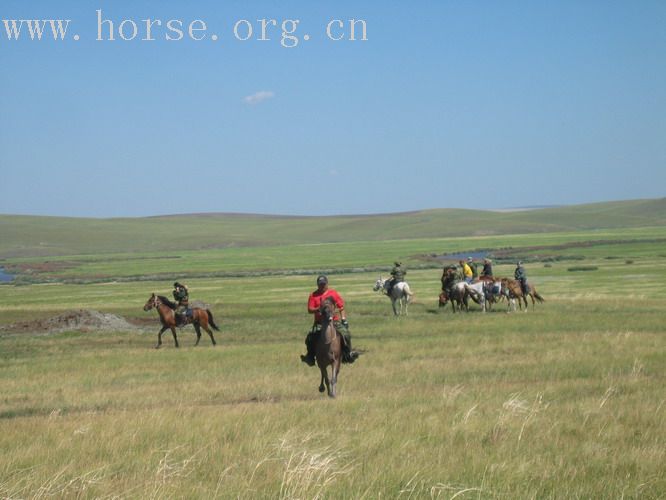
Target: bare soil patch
[{"x": 83, "y": 320}]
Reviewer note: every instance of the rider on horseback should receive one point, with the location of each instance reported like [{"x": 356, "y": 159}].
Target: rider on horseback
[
  {"x": 466, "y": 271},
  {"x": 339, "y": 322},
  {"x": 472, "y": 266},
  {"x": 397, "y": 276},
  {"x": 521, "y": 276},
  {"x": 487, "y": 268},
  {"x": 182, "y": 296},
  {"x": 449, "y": 279}
]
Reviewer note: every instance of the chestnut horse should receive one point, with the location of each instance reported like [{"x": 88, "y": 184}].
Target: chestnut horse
[
  {"x": 512, "y": 290},
  {"x": 328, "y": 348},
  {"x": 201, "y": 318}
]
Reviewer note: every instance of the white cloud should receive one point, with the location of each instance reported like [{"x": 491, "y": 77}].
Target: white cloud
[{"x": 257, "y": 97}]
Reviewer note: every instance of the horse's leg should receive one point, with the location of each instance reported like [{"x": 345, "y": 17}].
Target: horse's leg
[
  {"x": 321, "y": 382},
  {"x": 406, "y": 300},
  {"x": 324, "y": 380},
  {"x": 210, "y": 334},
  {"x": 395, "y": 312},
  {"x": 159, "y": 336},
  {"x": 198, "y": 330},
  {"x": 335, "y": 369},
  {"x": 175, "y": 339}
]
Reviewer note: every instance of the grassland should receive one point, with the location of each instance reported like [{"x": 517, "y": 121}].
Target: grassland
[
  {"x": 27, "y": 236},
  {"x": 566, "y": 401}
]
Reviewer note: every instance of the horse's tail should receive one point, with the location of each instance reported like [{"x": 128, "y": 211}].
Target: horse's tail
[
  {"x": 538, "y": 297},
  {"x": 408, "y": 292},
  {"x": 211, "y": 321}
]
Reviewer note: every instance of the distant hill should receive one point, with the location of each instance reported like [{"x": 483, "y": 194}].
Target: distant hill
[{"x": 28, "y": 236}]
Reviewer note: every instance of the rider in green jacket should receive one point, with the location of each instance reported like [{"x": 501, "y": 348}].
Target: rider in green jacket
[
  {"x": 521, "y": 276},
  {"x": 397, "y": 276}
]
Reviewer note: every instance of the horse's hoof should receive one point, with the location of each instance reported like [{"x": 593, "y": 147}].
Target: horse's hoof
[
  {"x": 157, "y": 346},
  {"x": 321, "y": 388}
]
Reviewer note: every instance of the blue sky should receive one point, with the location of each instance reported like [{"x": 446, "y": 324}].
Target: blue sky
[{"x": 447, "y": 104}]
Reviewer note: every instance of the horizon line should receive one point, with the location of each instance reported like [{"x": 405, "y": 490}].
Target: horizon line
[{"x": 296, "y": 216}]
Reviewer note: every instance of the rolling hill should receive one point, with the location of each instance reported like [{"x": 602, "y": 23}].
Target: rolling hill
[{"x": 38, "y": 236}]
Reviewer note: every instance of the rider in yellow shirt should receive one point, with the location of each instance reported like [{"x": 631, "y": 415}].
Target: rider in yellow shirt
[{"x": 467, "y": 273}]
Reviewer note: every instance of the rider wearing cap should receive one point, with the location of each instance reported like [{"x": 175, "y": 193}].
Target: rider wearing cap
[
  {"x": 521, "y": 276},
  {"x": 339, "y": 322},
  {"x": 397, "y": 276},
  {"x": 182, "y": 296}
]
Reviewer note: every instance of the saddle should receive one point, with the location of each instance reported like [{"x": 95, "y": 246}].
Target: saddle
[
  {"x": 316, "y": 331},
  {"x": 184, "y": 319}
]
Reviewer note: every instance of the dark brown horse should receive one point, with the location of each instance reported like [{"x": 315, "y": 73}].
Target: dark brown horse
[
  {"x": 201, "y": 318},
  {"x": 512, "y": 290},
  {"x": 458, "y": 297},
  {"x": 328, "y": 348}
]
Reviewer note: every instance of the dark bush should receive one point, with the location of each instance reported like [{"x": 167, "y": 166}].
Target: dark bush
[{"x": 582, "y": 268}]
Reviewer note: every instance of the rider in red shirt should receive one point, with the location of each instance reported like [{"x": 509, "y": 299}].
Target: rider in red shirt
[
  {"x": 339, "y": 321},
  {"x": 318, "y": 296}
]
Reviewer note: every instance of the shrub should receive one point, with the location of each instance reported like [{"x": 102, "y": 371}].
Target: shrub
[{"x": 583, "y": 268}]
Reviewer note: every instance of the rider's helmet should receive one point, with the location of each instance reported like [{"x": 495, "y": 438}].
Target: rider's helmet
[
  {"x": 469, "y": 259},
  {"x": 520, "y": 263},
  {"x": 176, "y": 284}
]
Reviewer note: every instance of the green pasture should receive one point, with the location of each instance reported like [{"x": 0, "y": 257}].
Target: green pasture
[
  {"x": 336, "y": 257},
  {"x": 565, "y": 401}
]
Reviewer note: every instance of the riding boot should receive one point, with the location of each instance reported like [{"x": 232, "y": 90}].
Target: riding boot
[
  {"x": 524, "y": 288},
  {"x": 348, "y": 356},
  {"x": 309, "y": 358},
  {"x": 180, "y": 319}
]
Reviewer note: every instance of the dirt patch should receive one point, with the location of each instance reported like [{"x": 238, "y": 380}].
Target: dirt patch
[{"x": 83, "y": 320}]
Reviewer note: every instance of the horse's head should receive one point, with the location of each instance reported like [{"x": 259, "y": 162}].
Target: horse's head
[
  {"x": 150, "y": 303},
  {"x": 379, "y": 284},
  {"x": 327, "y": 309}
]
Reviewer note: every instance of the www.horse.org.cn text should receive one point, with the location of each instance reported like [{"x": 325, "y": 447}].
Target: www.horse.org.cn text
[{"x": 289, "y": 33}]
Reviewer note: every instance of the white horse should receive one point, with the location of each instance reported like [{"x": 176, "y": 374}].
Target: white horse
[
  {"x": 477, "y": 292},
  {"x": 401, "y": 293}
]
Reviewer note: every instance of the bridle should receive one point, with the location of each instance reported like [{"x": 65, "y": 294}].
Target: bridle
[{"x": 153, "y": 302}]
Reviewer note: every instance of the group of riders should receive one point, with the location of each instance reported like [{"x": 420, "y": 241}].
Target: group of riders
[{"x": 466, "y": 271}]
